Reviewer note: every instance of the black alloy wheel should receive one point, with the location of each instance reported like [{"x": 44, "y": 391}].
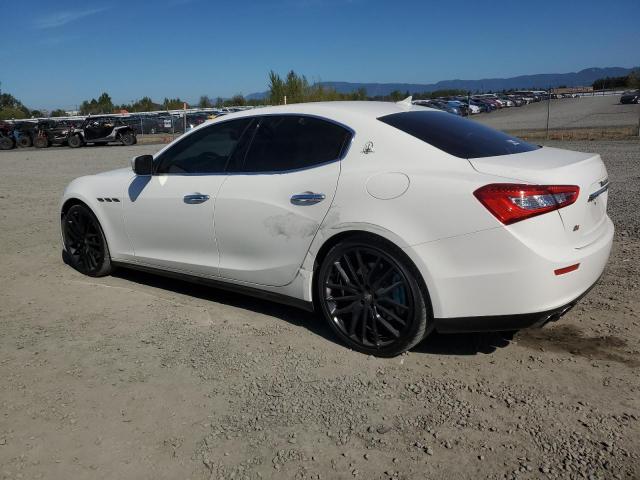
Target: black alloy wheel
[
  {"x": 369, "y": 294},
  {"x": 85, "y": 246}
]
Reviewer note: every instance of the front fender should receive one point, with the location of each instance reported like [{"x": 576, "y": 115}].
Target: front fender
[{"x": 110, "y": 214}]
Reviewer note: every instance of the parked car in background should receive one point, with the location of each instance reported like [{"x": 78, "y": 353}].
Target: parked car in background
[{"x": 630, "y": 97}]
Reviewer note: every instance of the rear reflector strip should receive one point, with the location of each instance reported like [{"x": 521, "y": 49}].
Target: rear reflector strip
[{"x": 562, "y": 271}]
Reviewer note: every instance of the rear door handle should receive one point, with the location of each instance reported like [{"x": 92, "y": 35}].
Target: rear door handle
[
  {"x": 194, "y": 198},
  {"x": 307, "y": 198}
]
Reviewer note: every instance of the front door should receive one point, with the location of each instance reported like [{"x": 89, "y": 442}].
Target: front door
[
  {"x": 169, "y": 215},
  {"x": 269, "y": 210}
]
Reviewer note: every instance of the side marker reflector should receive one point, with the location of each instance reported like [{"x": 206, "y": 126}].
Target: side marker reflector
[{"x": 562, "y": 271}]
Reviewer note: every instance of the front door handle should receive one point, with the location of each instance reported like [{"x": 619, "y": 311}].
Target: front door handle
[
  {"x": 307, "y": 198},
  {"x": 194, "y": 198}
]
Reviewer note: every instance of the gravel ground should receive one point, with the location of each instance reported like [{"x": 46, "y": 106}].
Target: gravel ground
[
  {"x": 593, "y": 112},
  {"x": 134, "y": 376}
]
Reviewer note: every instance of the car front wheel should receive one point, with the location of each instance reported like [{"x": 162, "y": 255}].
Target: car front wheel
[
  {"x": 85, "y": 246},
  {"x": 369, "y": 293}
]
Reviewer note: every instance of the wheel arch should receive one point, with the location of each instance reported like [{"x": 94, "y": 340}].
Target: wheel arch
[
  {"x": 75, "y": 199},
  {"x": 330, "y": 242}
]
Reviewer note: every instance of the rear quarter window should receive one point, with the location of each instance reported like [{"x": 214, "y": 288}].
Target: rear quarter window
[{"x": 457, "y": 136}]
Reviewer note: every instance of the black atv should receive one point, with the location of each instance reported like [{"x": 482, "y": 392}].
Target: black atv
[
  {"x": 53, "y": 132},
  {"x": 24, "y": 133},
  {"x": 101, "y": 131},
  {"x": 7, "y": 140}
]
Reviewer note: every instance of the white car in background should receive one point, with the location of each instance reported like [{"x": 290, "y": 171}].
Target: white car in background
[
  {"x": 391, "y": 220},
  {"x": 473, "y": 109}
]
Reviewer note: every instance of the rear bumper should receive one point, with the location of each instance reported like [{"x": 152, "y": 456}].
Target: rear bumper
[
  {"x": 503, "y": 323},
  {"x": 495, "y": 276}
]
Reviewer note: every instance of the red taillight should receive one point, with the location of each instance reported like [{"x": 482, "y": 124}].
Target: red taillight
[
  {"x": 512, "y": 202},
  {"x": 570, "y": 268}
]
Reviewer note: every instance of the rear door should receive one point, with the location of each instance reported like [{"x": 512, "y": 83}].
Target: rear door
[{"x": 272, "y": 204}]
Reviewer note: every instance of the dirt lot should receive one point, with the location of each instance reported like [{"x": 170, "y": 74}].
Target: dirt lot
[
  {"x": 132, "y": 376},
  {"x": 565, "y": 113}
]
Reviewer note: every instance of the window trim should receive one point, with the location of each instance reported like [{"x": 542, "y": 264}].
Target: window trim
[{"x": 344, "y": 150}]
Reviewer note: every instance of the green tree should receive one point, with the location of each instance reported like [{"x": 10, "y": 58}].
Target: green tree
[
  {"x": 11, "y": 107},
  {"x": 173, "y": 104},
  {"x": 396, "y": 96},
  {"x": 102, "y": 105},
  {"x": 237, "y": 100},
  {"x": 58, "y": 113},
  {"x": 276, "y": 89},
  {"x": 205, "y": 102}
]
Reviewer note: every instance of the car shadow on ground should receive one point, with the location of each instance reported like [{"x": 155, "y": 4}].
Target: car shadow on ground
[{"x": 434, "y": 344}]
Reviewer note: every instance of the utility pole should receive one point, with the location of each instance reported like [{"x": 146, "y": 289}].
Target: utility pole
[{"x": 548, "y": 109}]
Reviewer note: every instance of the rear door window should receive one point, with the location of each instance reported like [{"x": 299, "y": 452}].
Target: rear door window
[
  {"x": 457, "y": 136},
  {"x": 291, "y": 142}
]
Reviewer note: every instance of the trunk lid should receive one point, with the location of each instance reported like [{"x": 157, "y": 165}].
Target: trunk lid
[{"x": 585, "y": 220}]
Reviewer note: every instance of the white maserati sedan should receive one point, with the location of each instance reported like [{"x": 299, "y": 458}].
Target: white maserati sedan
[{"x": 390, "y": 219}]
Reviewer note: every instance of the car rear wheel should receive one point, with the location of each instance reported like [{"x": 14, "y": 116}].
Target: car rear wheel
[
  {"x": 24, "y": 141},
  {"x": 6, "y": 143},
  {"x": 41, "y": 142},
  {"x": 75, "y": 141},
  {"x": 85, "y": 247},
  {"x": 127, "y": 138},
  {"x": 369, "y": 293}
]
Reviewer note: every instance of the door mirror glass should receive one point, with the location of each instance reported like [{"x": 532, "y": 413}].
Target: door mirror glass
[{"x": 142, "y": 165}]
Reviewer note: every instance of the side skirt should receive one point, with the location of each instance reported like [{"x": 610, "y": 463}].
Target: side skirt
[{"x": 222, "y": 285}]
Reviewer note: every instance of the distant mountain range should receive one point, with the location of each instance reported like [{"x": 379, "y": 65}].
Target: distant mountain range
[{"x": 542, "y": 81}]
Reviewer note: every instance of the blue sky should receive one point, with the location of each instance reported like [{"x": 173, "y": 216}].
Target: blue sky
[{"x": 56, "y": 54}]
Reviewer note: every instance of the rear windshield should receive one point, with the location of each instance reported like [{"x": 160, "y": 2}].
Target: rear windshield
[{"x": 457, "y": 136}]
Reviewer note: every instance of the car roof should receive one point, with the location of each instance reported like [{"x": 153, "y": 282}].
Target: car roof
[{"x": 340, "y": 111}]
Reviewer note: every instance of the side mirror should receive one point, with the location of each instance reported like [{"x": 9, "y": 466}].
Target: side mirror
[{"x": 142, "y": 165}]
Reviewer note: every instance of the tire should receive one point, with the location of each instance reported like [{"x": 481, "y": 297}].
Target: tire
[
  {"x": 74, "y": 141},
  {"x": 369, "y": 293},
  {"x": 24, "y": 141},
  {"x": 6, "y": 143},
  {"x": 127, "y": 138},
  {"x": 85, "y": 246},
  {"x": 41, "y": 142}
]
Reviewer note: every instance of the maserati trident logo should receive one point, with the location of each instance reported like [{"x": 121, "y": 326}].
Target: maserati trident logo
[{"x": 368, "y": 148}]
